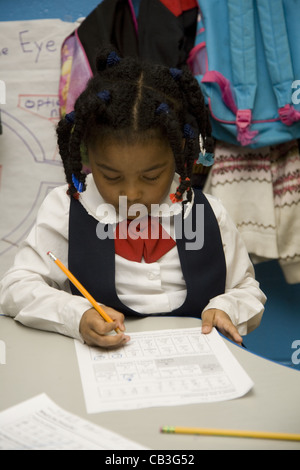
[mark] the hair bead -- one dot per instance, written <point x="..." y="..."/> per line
<point x="177" y="197"/>
<point x="176" y="73"/>
<point x="112" y="59"/>
<point x="205" y="158"/>
<point x="70" y="117"/>
<point x="163" y="108"/>
<point x="78" y="185"/>
<point x="188" y="132"/>
<point x="104" y="96"/>
<point x="187" y="180"/>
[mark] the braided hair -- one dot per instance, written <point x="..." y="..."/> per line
<point x="129" y="100"/>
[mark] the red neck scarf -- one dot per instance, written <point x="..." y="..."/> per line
<point x="142" y="238"/>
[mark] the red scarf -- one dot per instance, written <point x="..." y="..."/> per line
<point x="142" y="238"/>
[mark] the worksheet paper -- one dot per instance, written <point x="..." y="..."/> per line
<point x="39" y="424"/>
<point x="160" y="368"/>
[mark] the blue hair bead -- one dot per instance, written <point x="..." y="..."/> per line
<point x="188" y="132"/>
<point x="176" y="73"/>
<point x="78" y="185"/>
<point x="104" y="96"/>
<point x="206" y="159"/>
<point x="112" y="59"/>
<point x="163" y="108"/>
<point x="70" y="117"/>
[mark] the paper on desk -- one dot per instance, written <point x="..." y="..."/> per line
<point x="39" y="424"/>
<point x="161" y="368"/>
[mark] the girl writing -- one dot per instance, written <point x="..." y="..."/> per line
<point x="140" y="126"/>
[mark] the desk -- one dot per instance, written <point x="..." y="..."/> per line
<point x="38" y="361"/>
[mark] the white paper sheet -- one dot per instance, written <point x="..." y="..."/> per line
<point x="160" y="368"/>
<point x="39" y="424"/>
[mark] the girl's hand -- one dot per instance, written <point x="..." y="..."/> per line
<point x="95" y="331"/>
<point x="214" y="317"/>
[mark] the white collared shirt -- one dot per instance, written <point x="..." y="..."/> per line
<point x="36" y="292"/>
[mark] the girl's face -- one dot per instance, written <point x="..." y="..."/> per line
<point x="143" y="172"/>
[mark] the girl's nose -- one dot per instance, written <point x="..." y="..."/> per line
<point x="133" y="194"/>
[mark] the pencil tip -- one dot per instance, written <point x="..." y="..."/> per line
<point x="51" y="255"/>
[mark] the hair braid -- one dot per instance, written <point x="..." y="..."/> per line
<point x="197" y="107"/>
<point x="64" y="129"/>
<point x="75" y="152"/>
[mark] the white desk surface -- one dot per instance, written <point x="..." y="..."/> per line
<point x="38" y="361"/>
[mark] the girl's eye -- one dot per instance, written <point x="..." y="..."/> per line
<point x="151" y="178"/>
<point x="110" y="178"/>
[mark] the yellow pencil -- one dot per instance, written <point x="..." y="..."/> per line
<point x="231" y="433"/>
<point x="82" y="289"/>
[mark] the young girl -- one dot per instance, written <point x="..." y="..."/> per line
<point x="140" y="126"/>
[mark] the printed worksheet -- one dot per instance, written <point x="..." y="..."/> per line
<point x="160" y="368"/>
<point x="39" y="424"/>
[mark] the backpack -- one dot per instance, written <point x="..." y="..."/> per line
<point x="162" y="31"/>
<point x="247" y="61"/>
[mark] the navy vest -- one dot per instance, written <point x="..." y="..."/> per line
<point x="92" y="261"/>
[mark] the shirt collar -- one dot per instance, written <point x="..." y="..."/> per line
<point x="98" y="208"/>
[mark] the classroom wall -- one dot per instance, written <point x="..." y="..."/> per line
<point x="281" y="323"/>
<point x="17" y="10"/>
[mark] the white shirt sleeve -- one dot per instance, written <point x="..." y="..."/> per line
<point x="243" y="299"/>
<point x="35" y="291"/>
